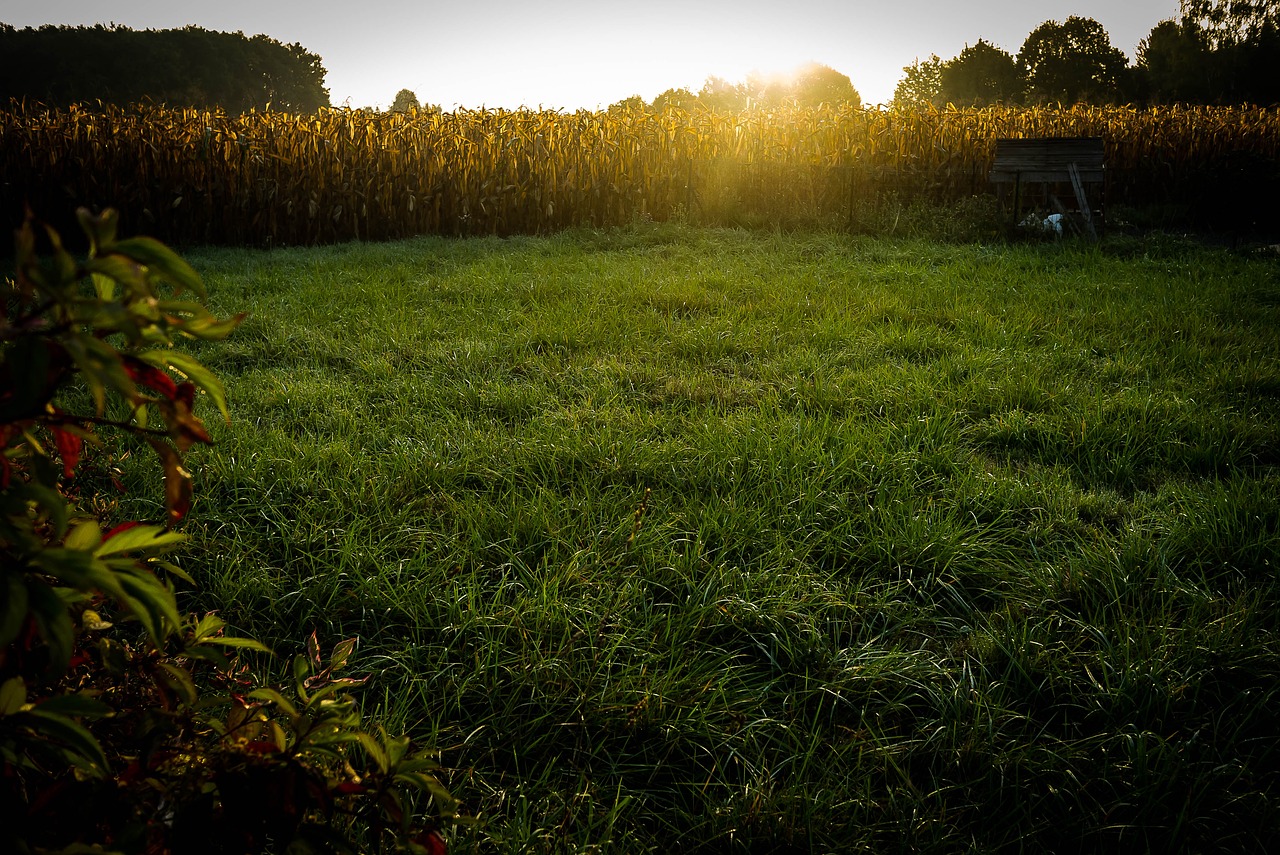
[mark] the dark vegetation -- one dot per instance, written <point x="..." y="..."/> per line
<point x="188" y="67"/>
<point x="126" y="725"/>
<point x="1215" y="52"/>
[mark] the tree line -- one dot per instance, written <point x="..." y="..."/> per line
<point x="808" y="85"/>
<point x="188" y="67"/>
<point x="1215" y="52"/>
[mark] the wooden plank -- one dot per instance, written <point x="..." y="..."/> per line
<point x="1084" y="148"/>
<point x="1049" y="159"/>
<point x="1041" y="176"/>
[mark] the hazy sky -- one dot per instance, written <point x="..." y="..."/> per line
<point x="570" y="54"/>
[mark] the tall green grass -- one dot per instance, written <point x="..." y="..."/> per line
<point x="696" y="540"/>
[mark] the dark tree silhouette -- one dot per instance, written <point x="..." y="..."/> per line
<point x="1072" y="61"/>
<point x="1218" y="53"/>
<point x="188" y="67"/>
<point x="1231" y="21"/>
<point x="1175" y="64"/>
<point x="982" y="74"/>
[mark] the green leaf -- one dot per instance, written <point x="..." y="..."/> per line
<point x="115" y="656"/>
<point x="13" y="613"/>
<point x="174" y="570"/>
<point x="100" y="366"/>
<point x="396" y="747"/>
<point x="83" y="750"/>
<point x="178" y="311"/>
<point x="374" y="750"/>
<point x="301" y="670"/>
<point x="208" y="625"/>
<point x="194" y="371"/>
<point x="52" y="502"/>
<point x="87" y="849"/>
<point x="430" y="784"/>
<point x="104" y="286"/>
<point x="238" y="642"/>
<point x="101" y="230"/>
<point x="179" y="679"/>
<point x="62" y="265"/>
<point x="273" y="696"/>
<point x="211" y="655"/>
<point x="75" y="705"/>
<point x="80" y="570"/>
<point x="162" y="260"/>
<point x="152" y="602"/>
<point x="111" y="269"/>
<point x="138" y="538"/>
<point x="13" y="695"/>
<point x="54" y="624"/>
<point x="341" y="653"/>
<point x="335" y="687"/>
<point x="210" y="328"/>
<point x="85" y="537"/>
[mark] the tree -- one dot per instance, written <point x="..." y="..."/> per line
<point x="630" y="104"/>
<point x="1175" y="64"/>
<point x="721" y="95"/>
<point x="681" y="99"/>
<point x="405" y="101"/>
<point x="809" y="85"/>
<point x="1231" y="21"/>
<point x="921" y="85"/>
<point x="1072" y="61"/>
<point x="982" y="74"/>
<point x="187" y="67"/>
<point x="815" y="84"/>
<point x="1218" y="53"/>
<point x="1244" y="38"/>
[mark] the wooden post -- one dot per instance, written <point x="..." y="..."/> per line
<point x="1078" y="186"/>
<point x="1017" y="197"/>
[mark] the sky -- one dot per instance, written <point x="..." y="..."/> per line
<point x="585" y="54"/>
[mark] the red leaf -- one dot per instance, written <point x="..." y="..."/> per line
<point x="184" y="426"/>
<point x="432" y="842"/>
<point x="69" y="446"/>
<point x="131" y="772"/>
<point x="151" y="377"/>
<point x="346" y="788"/>
<point x="177" y="481"/>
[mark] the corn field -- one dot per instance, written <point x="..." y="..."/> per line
<point x="192" y="177"/>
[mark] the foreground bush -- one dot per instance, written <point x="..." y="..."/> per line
<point x="125" y="723"/>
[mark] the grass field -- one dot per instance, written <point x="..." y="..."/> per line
<point x="695" y="540"/>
